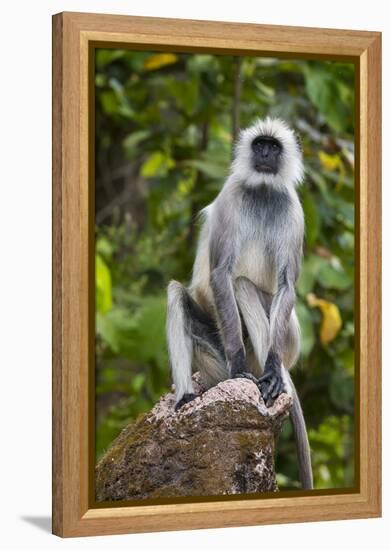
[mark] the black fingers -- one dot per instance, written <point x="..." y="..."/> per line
<point x="186" y="398"/>
<point x="271" y="385"/>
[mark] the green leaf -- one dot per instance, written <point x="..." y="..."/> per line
<point x="331" y="96"/>
<point x="312" y="220"/>
<point x="100" y="80"/>
<point x="185" y="93"/>
<point x="203" y="63"/>
<point x="267" y="91"/>
<point x="109" y="102"/>
<point x="104" y="57"/>
<point x="151" y="336"/>
<point x="157" y="165"/>
<point x="211" y="169"/>
<point x="138" y="335"/>
<point x="346" y="358"/>
<point x="342" y="389"/>
<point x="117" y="329"/>
<point x="103" y="285"/>
<point x="138" y="382"/>
<point x="309" y="272"/>
<point x="346" y="213"/>
<point x="125" y="111"/>
<point x="104" y="248"/>
<point x="133" y="139"/>
<point x="329" y="277"/>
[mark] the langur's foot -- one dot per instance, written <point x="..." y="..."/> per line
<point x="186" y="398"/>
<point x="248" y="376"/>
<point x="271" y="385"/>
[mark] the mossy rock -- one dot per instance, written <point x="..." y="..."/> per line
<point x="221" y="443"/>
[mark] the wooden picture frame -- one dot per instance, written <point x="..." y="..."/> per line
<point x="75" y="35"/>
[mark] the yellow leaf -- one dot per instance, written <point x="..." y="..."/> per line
<point x="103" y="285"/>
<point x="330" y="162"/>
<point x="331" y="322"/>
<point x="159" y="60"/>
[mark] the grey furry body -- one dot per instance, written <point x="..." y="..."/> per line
<point x="237" y="317"/>
<point x="251" y="237"/>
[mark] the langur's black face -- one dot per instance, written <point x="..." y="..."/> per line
<point x="266" y="154"/>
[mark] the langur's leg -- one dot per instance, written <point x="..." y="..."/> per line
<point x="208" y="350"/>
<point x="193" y="341"/>
<point x="291" y="351"/>
<point x="254" y="306"/>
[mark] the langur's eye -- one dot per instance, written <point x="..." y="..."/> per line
<point x="275" y="147"/>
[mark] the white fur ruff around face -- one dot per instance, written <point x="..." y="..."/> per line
<point x="291" y="170"/>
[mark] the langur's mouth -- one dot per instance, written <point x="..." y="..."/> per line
<point x="266" y="168"/>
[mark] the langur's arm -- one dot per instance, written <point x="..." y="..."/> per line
<point x="222" y="256"/>
<point x="272" y="382"/>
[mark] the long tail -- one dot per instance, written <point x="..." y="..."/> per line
<point x="301" y="437"/>
<point x="179" y="342"/>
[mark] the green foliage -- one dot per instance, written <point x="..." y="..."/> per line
<point x="324" y="83"/>
<point x="164" y="137"/>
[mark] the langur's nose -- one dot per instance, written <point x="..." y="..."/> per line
<point x="265" y="151"/>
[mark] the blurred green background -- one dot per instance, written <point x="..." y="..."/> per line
<point x="165" y="124"/>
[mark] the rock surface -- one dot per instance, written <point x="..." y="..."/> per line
<point x="221" y="443"/>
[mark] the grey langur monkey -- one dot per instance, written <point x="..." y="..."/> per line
<point x="237" y="318"/>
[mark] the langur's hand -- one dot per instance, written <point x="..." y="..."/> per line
<point x="271" y="384"/>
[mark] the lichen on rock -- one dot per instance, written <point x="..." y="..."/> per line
<point x="221" y="443"/>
